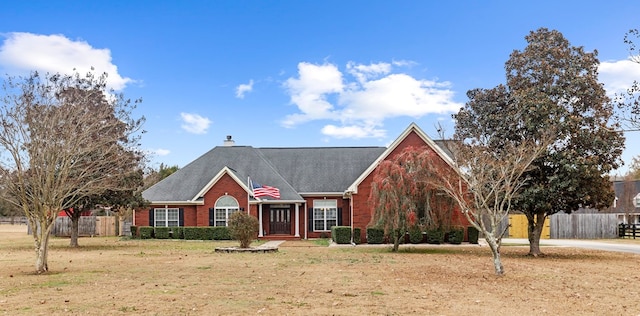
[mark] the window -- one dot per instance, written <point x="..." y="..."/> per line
<point x="225" y="206"/>
<point x="325" y="214"/>
<point x="166" y="217"/>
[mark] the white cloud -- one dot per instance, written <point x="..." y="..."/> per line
<point x="194" y="123"/>
<point x="22" y="53"/>
<point x="310" y="90"/>
<point x="365" y="72"/>
<point x="353" y="131"/>
<point x="618" y="76"/>
<point x="242" y="89"/>
<point x="361" y="105"/>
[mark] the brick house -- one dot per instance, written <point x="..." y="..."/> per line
<point x="319" y="187"/>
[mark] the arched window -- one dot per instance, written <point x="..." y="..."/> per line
<point x="225" y="206"/>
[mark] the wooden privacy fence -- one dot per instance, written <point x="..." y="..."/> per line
<point x="583" y="226"/>
<point x="87" y="226"/>
<point x="519" y="227"/>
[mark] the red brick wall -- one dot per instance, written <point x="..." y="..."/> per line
<point x="342" y="203"/>
<point x="142" y="216"/>
<point x="198" y="215"/>
<point x="362" y="212"/>
<point x="225" y="186"/>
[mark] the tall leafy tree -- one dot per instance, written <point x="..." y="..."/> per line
<point x="154" y="176"/>
<point x="122" y="200"/>
<point x="551" y="86"/>
<point x="62" y="146"/>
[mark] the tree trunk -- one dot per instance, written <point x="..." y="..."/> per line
<point x="534" y="228"/>
<point x="494" y="244"/>
<point x="396" y="242"/>
<point x="41" y="241"/>
<point x="73" y="242"/>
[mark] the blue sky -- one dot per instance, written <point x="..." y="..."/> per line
<point x="300" y="73"/>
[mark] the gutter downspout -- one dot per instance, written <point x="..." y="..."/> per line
<point x="351" y="217"/>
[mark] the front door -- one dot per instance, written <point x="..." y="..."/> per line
<point x="280" y="221"/>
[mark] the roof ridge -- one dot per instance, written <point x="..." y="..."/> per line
<point x="325" y="147"/>
<point x="273" y="168"/>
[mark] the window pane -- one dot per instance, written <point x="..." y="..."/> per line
<point x="221" y="223"/>
<point x="172" y="214"/>
<point x="226" y="201"/>
<point x="331" y="223"/>
<point x="332" y="214"/>
<point x="318" y="214"/>
<point x="318" y="224"/>
<point x="160" y="214"/>
<point x="325" y="204"/>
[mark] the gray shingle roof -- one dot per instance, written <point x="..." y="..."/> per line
<point x="292" y="170"/>
<point x="324" y="169"/>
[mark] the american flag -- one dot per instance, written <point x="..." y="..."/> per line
<point x="264" y="190"/>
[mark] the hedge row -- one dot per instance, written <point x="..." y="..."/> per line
<point x="189" y="233"/>
<point x="376" y="235"/>
<point x="339" y="234"/>
<point x="342" y="234"/>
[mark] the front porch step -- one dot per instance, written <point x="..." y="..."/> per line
<point x="279" y="237"/>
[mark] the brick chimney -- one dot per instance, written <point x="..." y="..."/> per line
<point x="229" y="142"/>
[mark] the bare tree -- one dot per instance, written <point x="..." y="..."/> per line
<point x="484" y="180"/>
<point x="628" y="103"/>
<point x="60" y="145"/>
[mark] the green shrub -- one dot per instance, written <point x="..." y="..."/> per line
<point x="341" y="234"/>
<point x="191" y="233"/>
<point x="177" y="232"/>
<point x="415" y="235"/>
<point x="375" y="235"/>
<point x="134" y="232"/>
<point x="243" y="228"/>
<point x="198" y="233"/>
<point x="162" y="232"/>
<point x="455" y="235"/>
<point x="221" y="233"/>
<point x="146" y="232"/>
<point x="435" y="236"/>
<point x="472" y="234"/>
<point x="356" y="235"/>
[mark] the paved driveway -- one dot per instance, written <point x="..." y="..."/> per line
<point x="580" y="243"/>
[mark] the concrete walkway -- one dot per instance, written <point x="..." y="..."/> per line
<point x="271" y="244"/>
<point x="578" y="243"/>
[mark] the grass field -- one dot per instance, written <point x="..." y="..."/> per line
<point x="114" y="276"/>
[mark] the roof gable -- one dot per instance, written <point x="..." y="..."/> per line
<point x="191" y="182"/>
<point x="412" y="129"/>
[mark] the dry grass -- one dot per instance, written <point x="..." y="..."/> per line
<point x="113" y="276"/>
